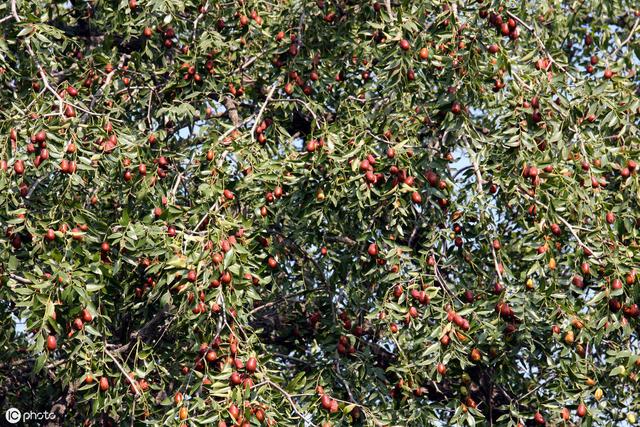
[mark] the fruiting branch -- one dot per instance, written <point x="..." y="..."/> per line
<point x="47" y="85"/>
<point x="107" y="81"/>
<point x="126" y="375"/>
<point x="570" y="227"/>
<point x="264" y="105"/>
<point x="533" y="31"/>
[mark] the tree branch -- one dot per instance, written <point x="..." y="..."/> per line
<point x="631" y="33"/>
<point x="264" y="105"/>
<point x="341" y="239"/>
<point x="14" y="11"/>
<point x="288" y="397"/>
<point x="479" y="182"/>
<point x="533" y="31"/>
<point x="561" y="219"/>
<point x="232" y="111"/>
<point x="47" y="84"/>
<point x="146" y="332"/>
<point x="126" y="375"/>
<point x="20" y="279"/>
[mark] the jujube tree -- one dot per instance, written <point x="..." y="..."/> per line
<point x="320" y="212"/>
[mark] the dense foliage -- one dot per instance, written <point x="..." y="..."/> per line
<point x="263" y="211"/>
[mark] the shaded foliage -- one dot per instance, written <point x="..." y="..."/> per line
<point x="320" y="213"/>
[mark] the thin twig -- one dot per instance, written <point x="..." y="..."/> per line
<point x="43" y="75"/>
<point x="20" y="279"/>
<point x="107" y="81"/>
<point x="631" y="33"/>
<point x="149" y="121"/>
<point x="343" y="381"/>
<point x="206" y="215"/>
<point x="235" y="127"/>
<point x="341" y="239"/>
<point x="172" y="193"/>
<point x="443" y="284"/>
<point x="198" y="18"/>
<point x="126" y="375"/>
<point x="14" y="11"/>
<point x="562" y="220"/>
<point x="519" y="80"/>
<point x="479" y="182"/>
<point x="264" y="105"/>
<point x="246" y="64"/>
<point x="48" y="86"/>
<point x="287" y="396"/>
<point x="300" y="36"/>
<point x="387" y="4"/>
<point x="35" y="185"/>
<point x="520" y="21"/>
<point x="532" y="30"/>
<point x="283" y="299"/>
<point x="461" y="170"/>
<point x="536" y="389"/>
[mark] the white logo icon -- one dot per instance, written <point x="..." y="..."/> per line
<point x="13" y="415"/>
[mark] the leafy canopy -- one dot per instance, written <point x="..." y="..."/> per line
<point x="320" y="213"/>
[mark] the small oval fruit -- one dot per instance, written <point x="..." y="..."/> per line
<point x="50" y="235"/>
<point x="18" y="167"/>
<point x="372" y="250"/>
<point x="183" y="413"/>
<point x="86" y="315"/>
<point x="235" y="378"/>
<point x="272" y="263"/>
<point x="582" y="410"/>
<point x="610" y="217"/>
<point x="52" y="342"/>
<point x="78" y="324"/>
<point x="598" y="394"/>
<point x="191" y="276"/>
<point x="325" y="401"/>
<point x="252" y="364"/>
